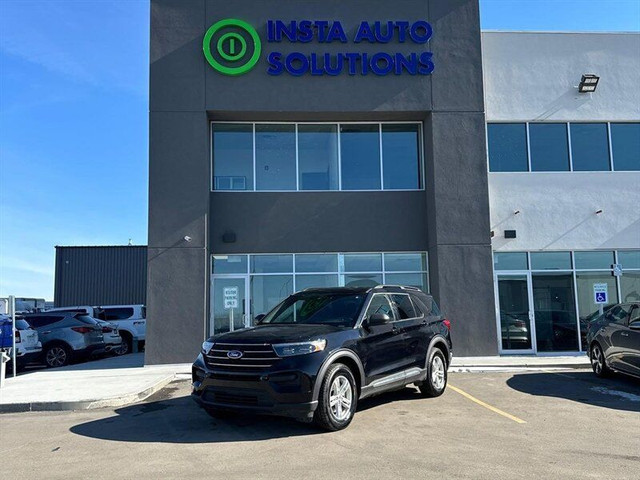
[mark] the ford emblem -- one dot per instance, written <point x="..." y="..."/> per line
<point x="233" y="354"/>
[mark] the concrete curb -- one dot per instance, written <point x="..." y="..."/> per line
<point x="118" y="401"/>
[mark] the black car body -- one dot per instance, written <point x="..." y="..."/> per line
<point x="380" y="338"/>
<point x="614" y="340"/>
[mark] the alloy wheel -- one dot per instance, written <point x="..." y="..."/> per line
<point x="56" y="357"/>
<point x="596" y="359"/>
<point x="340" y="398"/>
<point x="437" y="372"/>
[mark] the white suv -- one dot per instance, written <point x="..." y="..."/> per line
<point x="129" y="319"/>
<point x="28" y="346"/>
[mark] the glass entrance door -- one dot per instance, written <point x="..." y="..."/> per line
<point x="515" y="316"/>
<point x="229" y="306"/>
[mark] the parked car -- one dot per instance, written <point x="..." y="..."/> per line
<point x="321" y="350"/>
<point x="28" y="346"/>
<point x="129" y="319"/>
<point x="614" y="340"/>
<point x="112" y="339"/>
<point x="66" y="336"/>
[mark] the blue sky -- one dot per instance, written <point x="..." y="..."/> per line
<point x="74" y="119"/>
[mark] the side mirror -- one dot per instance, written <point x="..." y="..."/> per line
<point x="377" y="319"/>
<point x="635" y="325"/>
<point x="259" y="317"/>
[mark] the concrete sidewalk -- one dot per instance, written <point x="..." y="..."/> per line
<point x="111" y="382"/>
<point x="118" y="381"/>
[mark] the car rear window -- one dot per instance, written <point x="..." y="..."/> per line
<point x="86" y="319"/>
<point x="22" y="325"/>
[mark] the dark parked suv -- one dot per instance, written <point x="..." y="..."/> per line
<point x="614" y="340"/>
<point x="321" y="350"/>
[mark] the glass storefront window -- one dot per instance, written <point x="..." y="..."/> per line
<point x="586" y="305"/>
<point x="363" y="262"/>
<point x="625" y="143"/>
<point x="630" y="287"/>
<point x="510" y="261"/>
<point x="507" y="147"/>
<point x="593" y="260"/>
<point x="400" y="156"/>
<point x="317" y="262"/>
<point x="515" y="324"/>
<point x="360" y="157"/>
<point x="271" y="263"/>
<point x="316" y="281"/>
<point x="555" y="313"/>
<point x="233" y="156"/>
<point x="318" y="157"/>
<point x="629" y="258"/>
<point x="549" y="147"/>
<point x="590" y="147"/>
<point x="229" y="264"/>
<point x="405" y="262"/>
<point x="269" y="290"/>
<point x="362" y="280"/>
<point x="275" y="157"/>
<point x="550" y="261"/>
<point x="419" y="280"/>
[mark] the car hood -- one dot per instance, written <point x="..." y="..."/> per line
<point x="276" y="334"/>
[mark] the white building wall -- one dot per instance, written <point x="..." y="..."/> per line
<point x="533" y="77"/>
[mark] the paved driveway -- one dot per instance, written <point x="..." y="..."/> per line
<point x="499" y="426"/>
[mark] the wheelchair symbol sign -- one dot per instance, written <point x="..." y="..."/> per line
<point x="600" y="293"/>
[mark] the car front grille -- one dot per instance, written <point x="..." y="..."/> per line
<point x="256" y="357"/>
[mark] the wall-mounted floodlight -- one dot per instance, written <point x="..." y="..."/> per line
<point x="588" y="83"/>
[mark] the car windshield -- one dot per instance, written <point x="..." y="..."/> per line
<point x="317" y="308"/>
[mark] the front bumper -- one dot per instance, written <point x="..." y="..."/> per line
<point x="279" y="391"/>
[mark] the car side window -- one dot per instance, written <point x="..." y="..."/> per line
<point x="380" y="304"/>
<point x="38" y="322"/>
<point x="634" y="318"/>
<point x="618" y="314"/>
<point x="118" y="313"/>
<point x="404" y="307"/>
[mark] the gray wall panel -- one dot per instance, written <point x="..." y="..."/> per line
<point x="319" y="222"/>
<point x="110" y="275"/>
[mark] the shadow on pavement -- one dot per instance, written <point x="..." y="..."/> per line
<point x="618" y="392"/>
<point x="180" y="420"/>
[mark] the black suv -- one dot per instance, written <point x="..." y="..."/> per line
<point x="321" y="350"/>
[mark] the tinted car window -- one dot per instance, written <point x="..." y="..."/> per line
<point x="404" y="307"/>
<point x="121" y="313"/>
<point x="618" y="314"/>
<point x="86" y="319"/>
<point x="315" y="308"/>
<point x="634" y="319"/>
<point x="380" y="304"/>
<point x="38" y="322"/>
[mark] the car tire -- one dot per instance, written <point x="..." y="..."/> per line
<point x="436" y="381"/>
<point x="598" y="363"/>
<point x="125" y="347"/>
<point x="337" y="400"/>
<point x="57" y="355"/>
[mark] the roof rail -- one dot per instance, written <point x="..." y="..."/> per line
<point x="404" y="287"/>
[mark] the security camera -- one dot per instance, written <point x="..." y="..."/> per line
<point x="187" y="238"/>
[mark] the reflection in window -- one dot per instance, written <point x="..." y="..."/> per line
<point x="590" y="146"/>
<point x="232" y="156"/>
<point x="275" y="157"/>
<point x="269" y="290"/>
<point x="550" y="261"/>
<point x="401" y="160"/>
<point x="363" y="262"/>
<point x="549" y="147"/>
<point x="362" y="280"/>
<point x="507" y="147"/>
<point x="405" y="262"/>
<point x="418" y="280"/>
<point x="316" y="281"/>
<point x="360" y="156"/>
<point x="555" y="313"/>
<point x="630" y="287"/>
<point x="587" y="308"/>
<point x="625" y="143"/>
<point x="510" y="261"/>
<point x="318" y="157"/>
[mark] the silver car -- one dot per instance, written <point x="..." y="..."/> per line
<point x="66" y="336"/>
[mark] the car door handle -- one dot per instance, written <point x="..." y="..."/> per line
<point x="48" y="331"/>
<point x="395" y="330"/>
<point x="624" y="334"/>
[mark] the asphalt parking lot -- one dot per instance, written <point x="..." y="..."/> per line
<point x="564" y="425"/>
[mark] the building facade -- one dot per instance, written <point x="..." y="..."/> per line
<point x="328" y="143"/>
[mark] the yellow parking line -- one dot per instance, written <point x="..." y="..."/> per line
<point x="486" y="405"/>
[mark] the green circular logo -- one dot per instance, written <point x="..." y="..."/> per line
<point x="232" y="47"/>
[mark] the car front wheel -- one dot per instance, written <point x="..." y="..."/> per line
<point x="57" y="356"/>
<point x="436" y="380"/>
<point x="337" y="400"/>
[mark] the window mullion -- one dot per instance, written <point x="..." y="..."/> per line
<point x="381" y="159"/>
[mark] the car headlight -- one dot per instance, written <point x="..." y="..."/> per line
<point x="206" y="346"/>
<point x="301" y="348"/>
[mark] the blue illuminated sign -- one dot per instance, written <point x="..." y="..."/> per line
<point x="234" y="55"/>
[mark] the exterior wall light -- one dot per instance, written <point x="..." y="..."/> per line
<point x="598" y="212"/>
<point x="588" y="83"/>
